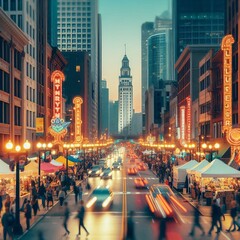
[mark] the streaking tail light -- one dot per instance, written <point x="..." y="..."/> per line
<point x="150" y="204"/>
<point x="165" y="205"/>
<point x="178" y="203"/>
<point x="106" y="202"/>
<point x="91" y="202"/>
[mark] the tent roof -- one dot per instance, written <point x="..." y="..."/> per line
<point x="56" y="163"/>
<point x="188" y="165"/>
<point x="31" y="168"/>
<point x="197" y="167"/>
<point x="62" y="159"/>
<point x="4" y="168"/>
<point x="218" y="168"/>
<point x="49" y="168"/>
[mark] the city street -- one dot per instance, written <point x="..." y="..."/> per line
<point x="109" y="224"/>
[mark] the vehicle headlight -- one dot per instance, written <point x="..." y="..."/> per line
<point x="101" y="174"/>
<point x="90" y="172"/>
<point x="106" y="202"/>
<point x="98" y="171"/>
<point x="91" y="202"/>
<point x="110" y="174"/>
<point x="118" y="166"/>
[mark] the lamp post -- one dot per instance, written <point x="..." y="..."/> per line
<point x="210" y="148"/>
<point x="68" y="147"/>
<point x="17" y="151"/>
<point x="190" y="146"/>
<point x="44" y="147"/>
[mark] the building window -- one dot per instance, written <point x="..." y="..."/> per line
<point x="13" y="5"/>
<point x="77" y="68"/>
<point x="5" y="5"/>
<point x="4" y="113"/>
<point x="17" y="116"/>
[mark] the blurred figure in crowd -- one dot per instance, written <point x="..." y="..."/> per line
<point x="66" y="218"/>
<point x="196" y="222"/>
<point x="233" y="213"/>
<point x="216" y="217"/>
<point x="130" y="227"/>
<point x="162" y="229"/>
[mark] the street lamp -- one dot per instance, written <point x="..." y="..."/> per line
<point x="44" y="147"/>
<point x="190" y="146"/>
<point x="17" y="151"/>
<point x="209" y="148"/>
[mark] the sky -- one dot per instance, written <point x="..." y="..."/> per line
<point x="121" y="24"/>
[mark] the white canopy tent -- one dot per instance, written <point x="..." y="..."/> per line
<point x="180" y="173"/>
<point x="4" y="168"/>
<point x="218" y="169"/>
<point x="197" y="167"/>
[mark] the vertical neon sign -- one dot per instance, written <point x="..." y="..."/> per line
<point x="182" y="122"/>
<point x="78" y="119"/>
<point x="188" y="119"/>
<point x="57" y="78"/>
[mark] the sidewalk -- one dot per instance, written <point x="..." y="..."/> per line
<point x="35" y="219"/>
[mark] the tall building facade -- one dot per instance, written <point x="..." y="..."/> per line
<point x="198" y="22"/>
<point x="12" y="82"/>
<point x="78" y="30"/>
<point x="125" y="99"/>
<point x="113" y="118"/>
<point x="24" y="14"/>
<point x="104" y="107"/>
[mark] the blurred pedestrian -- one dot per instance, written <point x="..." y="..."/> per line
<point x="28" y="214"/>
<point x="1" y="204"/>
<point x="76" y="192"/>
<point x="42" y="194"/>
<point x="216" y="217"/>
<point x="162" y="229"/>
<point x="170" y="180"/>
<point x="7" y="203"/>
<point x="61" y="197"/>
<point x="80" y="216"/>
<point x="66" y="218"/>
<point x="35" y="205"/>
<point x="196" y="222"/>
<point x="130" y="227"/>
<point x="233" y="213"/>
<point x="80" y="191"/>
<point x="8" y="221"/>
<point x="49" y="196"/>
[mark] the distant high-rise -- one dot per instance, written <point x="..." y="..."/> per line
<point x="125" y="99"/>
<point x="146" y="31"/>
<point x="198" y="22"/>
<point x="104" y="107"/>
<point x="78" y="30"/>
<point x="113" y="118"/>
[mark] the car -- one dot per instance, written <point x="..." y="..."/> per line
<point x="116" y="166"/>
<point x="100" y="198"/>
<point x="119" y="160"/>
<point x="132" y="171"/>
<point x="106" y="173"/>
<point x="95" y="171"/>
<point x="102" y="162"/>
<point x="162" y="201"/>
<point x="141" y="167"/>
<point x="141" y="182"/>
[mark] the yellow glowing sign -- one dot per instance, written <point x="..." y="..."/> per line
<point x="57" y="78"/>
<point x="188" y="119"/>
<point x="182" y="123"/>
<point x="78" y="119"/>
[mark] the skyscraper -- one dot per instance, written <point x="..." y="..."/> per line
<point x="104" y="113"/>
<point x="197" y="22"/>
<point x="78" y="29"/>
<point x="125" y="99"/>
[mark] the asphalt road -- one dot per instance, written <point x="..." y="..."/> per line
<point x="110" y="224"/>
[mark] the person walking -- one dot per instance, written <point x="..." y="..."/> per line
<point x="80" y="191"/>
<point x="216" y="217"/>
<point x="66" y="218"/>
<point x="1" y="204"/>
<point x="35" y="205"/>
<point x="76" y="192"/>
<point x="130" y="227"/>
<point x="42" y="194"/>
<point x="28" y="214"/>
<point x="233" y="213"/>
<point x="80" y="216"/>
<point x="61" y="197"/>
<point x="196" y="222"/>
<point x="49" y="196"/>
<point x="7" y="223"/>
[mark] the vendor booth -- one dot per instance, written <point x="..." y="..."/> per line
<point x="180" y="173"/>
<point x="218" y="180"/>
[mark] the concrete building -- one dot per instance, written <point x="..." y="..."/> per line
<point x="187" y="67"/>
<point x="24" y="14"/>
<point x="104" y="107"/>
<point x="78" y="29"/>
<point x="137" y="124"/>
<point x="13" y="82"/>
<point x="125" y="99"/>
<point x="198" y="22"/>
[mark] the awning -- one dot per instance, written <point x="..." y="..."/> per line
<point x="224" y="151"/>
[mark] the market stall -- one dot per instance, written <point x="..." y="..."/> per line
<point x="218" y="180"/>
<point x="180" y="173"/>
<point x="62" y="159"/>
